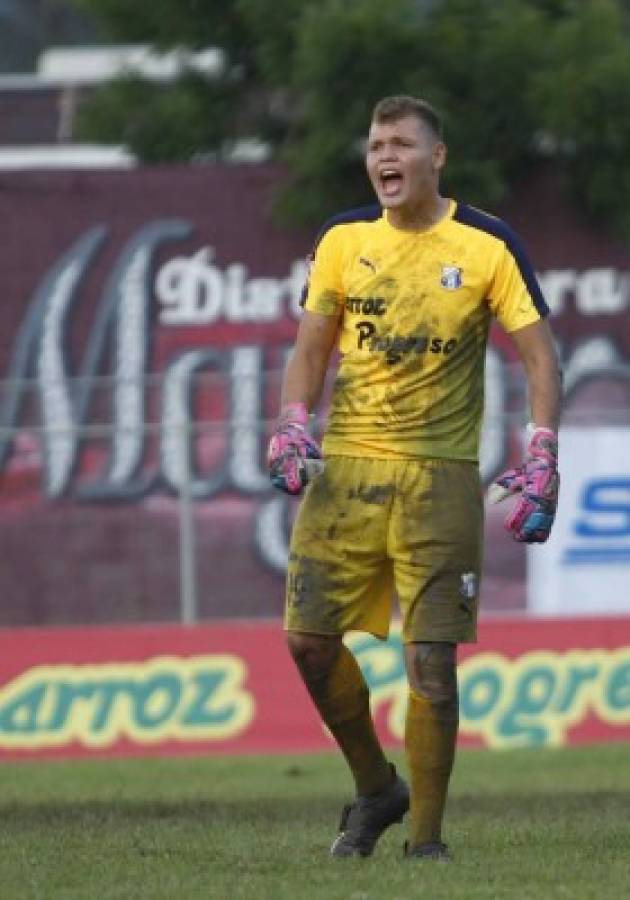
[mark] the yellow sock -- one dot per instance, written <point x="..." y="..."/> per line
<point x="430" y="737"/>
<point x="343" y="703"/>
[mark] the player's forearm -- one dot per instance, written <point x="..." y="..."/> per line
<point x="304" y="376"/>
<point x="545" y="390"/>
<point x="303" y="379"/>
<point x="536" y="347"/>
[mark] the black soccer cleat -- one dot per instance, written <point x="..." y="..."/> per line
<point x="432" y="850"/>
<point x="365" y="820"/>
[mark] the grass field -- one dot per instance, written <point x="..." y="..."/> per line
<point x="521" y="824"/>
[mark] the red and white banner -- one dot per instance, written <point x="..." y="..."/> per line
<point x="232" y="688"/>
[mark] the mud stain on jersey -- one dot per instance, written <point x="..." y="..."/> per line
<point x="349" y="397"/>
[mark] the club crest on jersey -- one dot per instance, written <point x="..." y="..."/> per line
<point x="451" y="277"/>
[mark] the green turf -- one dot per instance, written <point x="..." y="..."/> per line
<point x="533" y="824"/>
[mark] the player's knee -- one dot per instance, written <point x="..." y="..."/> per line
<point x="314" y="654"/>
<point x="432" y="669"/>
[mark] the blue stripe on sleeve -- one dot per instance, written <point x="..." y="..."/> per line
<point x="361" y="214"/>
<point x="475" y="218"/>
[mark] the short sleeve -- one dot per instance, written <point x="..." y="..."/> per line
<point x="515" y="297"/>
<point x="323" y="292"/>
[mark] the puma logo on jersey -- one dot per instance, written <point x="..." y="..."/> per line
<point x="368" y="263"/>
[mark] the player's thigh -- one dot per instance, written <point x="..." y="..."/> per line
<point x="338" y="576"/>
<point x="436" y="539"/>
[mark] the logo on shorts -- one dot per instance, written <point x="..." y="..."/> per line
<point x="451" y="277"/>
<point x="468" y="587"/>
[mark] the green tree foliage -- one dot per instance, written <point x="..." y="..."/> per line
<point x="215" y="110"/>
<point x="471" y="58"/>
<point x="518" y="82"/>
<point x="166" y="125"/>
<point x="586" y="108"/>
<point x="168" y="23"/>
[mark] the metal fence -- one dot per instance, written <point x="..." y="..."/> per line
<point x="148" y="499"/>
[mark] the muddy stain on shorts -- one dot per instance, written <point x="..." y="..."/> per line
<point x="309" y="585"/>
<point x="377" y="493"/>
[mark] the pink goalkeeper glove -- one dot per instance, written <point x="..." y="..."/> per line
<point x="293" y="457"/>
<point x="538" y="481"/>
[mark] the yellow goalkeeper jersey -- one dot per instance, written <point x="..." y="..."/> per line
<point x="416" y="309"/>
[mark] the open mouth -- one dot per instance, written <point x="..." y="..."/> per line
<point x="391" y="182"/>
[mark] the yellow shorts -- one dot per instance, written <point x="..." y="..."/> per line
<point x="369" y="528"/>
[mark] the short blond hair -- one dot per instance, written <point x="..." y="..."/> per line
<point x="390" y="109"/>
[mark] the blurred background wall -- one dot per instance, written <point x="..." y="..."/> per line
<point x="164" y="168"/>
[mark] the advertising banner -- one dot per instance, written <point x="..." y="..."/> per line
<point x="585" y="566"/>
<point x="232" y="688"/>
<point x="146" y="319"/>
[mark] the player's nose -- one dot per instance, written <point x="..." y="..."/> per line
<point x="386" y="155"/>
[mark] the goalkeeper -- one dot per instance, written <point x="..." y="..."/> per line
<point x="406" y="291"/>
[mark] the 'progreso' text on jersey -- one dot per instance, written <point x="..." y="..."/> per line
<point x="416" y="309"/>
